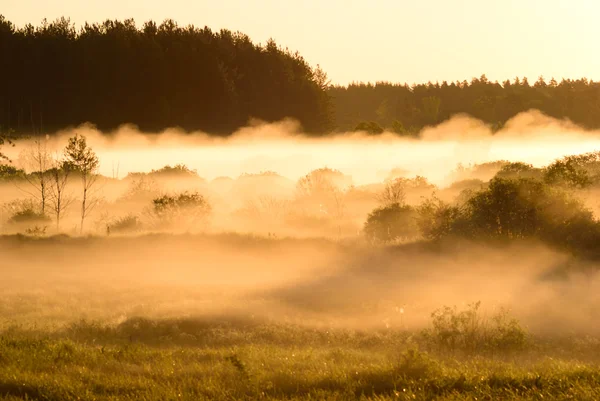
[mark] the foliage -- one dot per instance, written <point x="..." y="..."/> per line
<point x="141" y="187"/>
<point x="416" y="365"/>
<point x="80" y="158"/>
<point x="468" y="331"/>
<point x="578" y="171"/>
<point x="28" y="215"/>
<point x="126" y="224"/>
<point x="6" y="138"/>
<point x="437" y="219"/>
<point x="370" y="127"/>
<point x="157" y="76"/>
<point x="509" y="209"/>
<point x="527" y="208"/>
<point x="25" y="215"/>
<point x="184" y="209"/>
<point x="519" y="170"/>
<point x="393" y="192"/>
<point x="321" y="182"/>
<point x="495" y="103"/>
<point x="392" y="222"/>
<point x="178" y="170"/>
<point x="8" y="173"/>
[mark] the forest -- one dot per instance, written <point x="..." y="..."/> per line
<point x="163" y="75"/>
<point x="156" y="77"/>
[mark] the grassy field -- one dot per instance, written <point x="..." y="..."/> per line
<point x="187" y="359"/>
<point x="66" y="334"/>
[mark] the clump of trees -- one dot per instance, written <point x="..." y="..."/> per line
<point x="46" y="183"/>
<point x="392" y="222"/>
<point x="505" y="209"/>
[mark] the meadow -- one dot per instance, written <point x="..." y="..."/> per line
<point x="409" y="281"/>
<point x="185" y="317"/>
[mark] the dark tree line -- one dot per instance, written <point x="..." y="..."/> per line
<point x="54" y="76"/>
<point x="407" y="109"/>
<point x="158" y="76"/>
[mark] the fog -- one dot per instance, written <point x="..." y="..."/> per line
<point x="292" y="259"/>
<point x="282" y="147"/>
<point x="316" y="283"/>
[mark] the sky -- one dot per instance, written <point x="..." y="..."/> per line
<point x="412" y="41"/>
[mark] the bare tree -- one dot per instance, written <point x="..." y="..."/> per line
<point x="59" y="199"/>
<point x="81" y="158"/>
<point x="38" y="161"/>
<point x="394" y="192"/>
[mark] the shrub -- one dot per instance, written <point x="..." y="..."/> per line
<point x="510" y="209"/>
<point x="437" y="219"/>
<point x="8" y="173"/>
<point x="577" y="171"/>
<point x="468" y="331"/>
<point x="28" y="216"/>
<point x="141" y="188"/>
<point x="391" y="223"/>
<point x="416" y="365"/>
<point x="126" y="224"/>
<point x="527" y="208"/>
<point x="178" y="170"/>
<point x="25" y="215"/>
<point x="370" y="127"/>
<point x="185" y="209"/>
<point x="519" y="170"/>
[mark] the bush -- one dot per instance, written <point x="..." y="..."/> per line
<point x="28" y="216"/>
<point x="437" y="219"/>
<point x="141" y="188"/>
<point x="178" y="170"/>
<point x="579" y="171"/>
<point x="519" y="170"/>
<point x="416" y="365"/>
<point x="527" y="208"/>
<point x="393" y="222"/>
<point x="370" y="127"/>
<point x="8" y="173"/>
<point x="25" y="215"/>
<point x="185" y="209"/>
<point x="509" y="209"/>
<point x="126" y="224"/>
<point x="469" y="332"/>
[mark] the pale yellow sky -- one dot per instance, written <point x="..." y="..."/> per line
<point x="390" y="40"/>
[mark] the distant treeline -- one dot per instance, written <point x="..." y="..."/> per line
<point x="407" y="109"/>
<point x="159" y="76"/>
